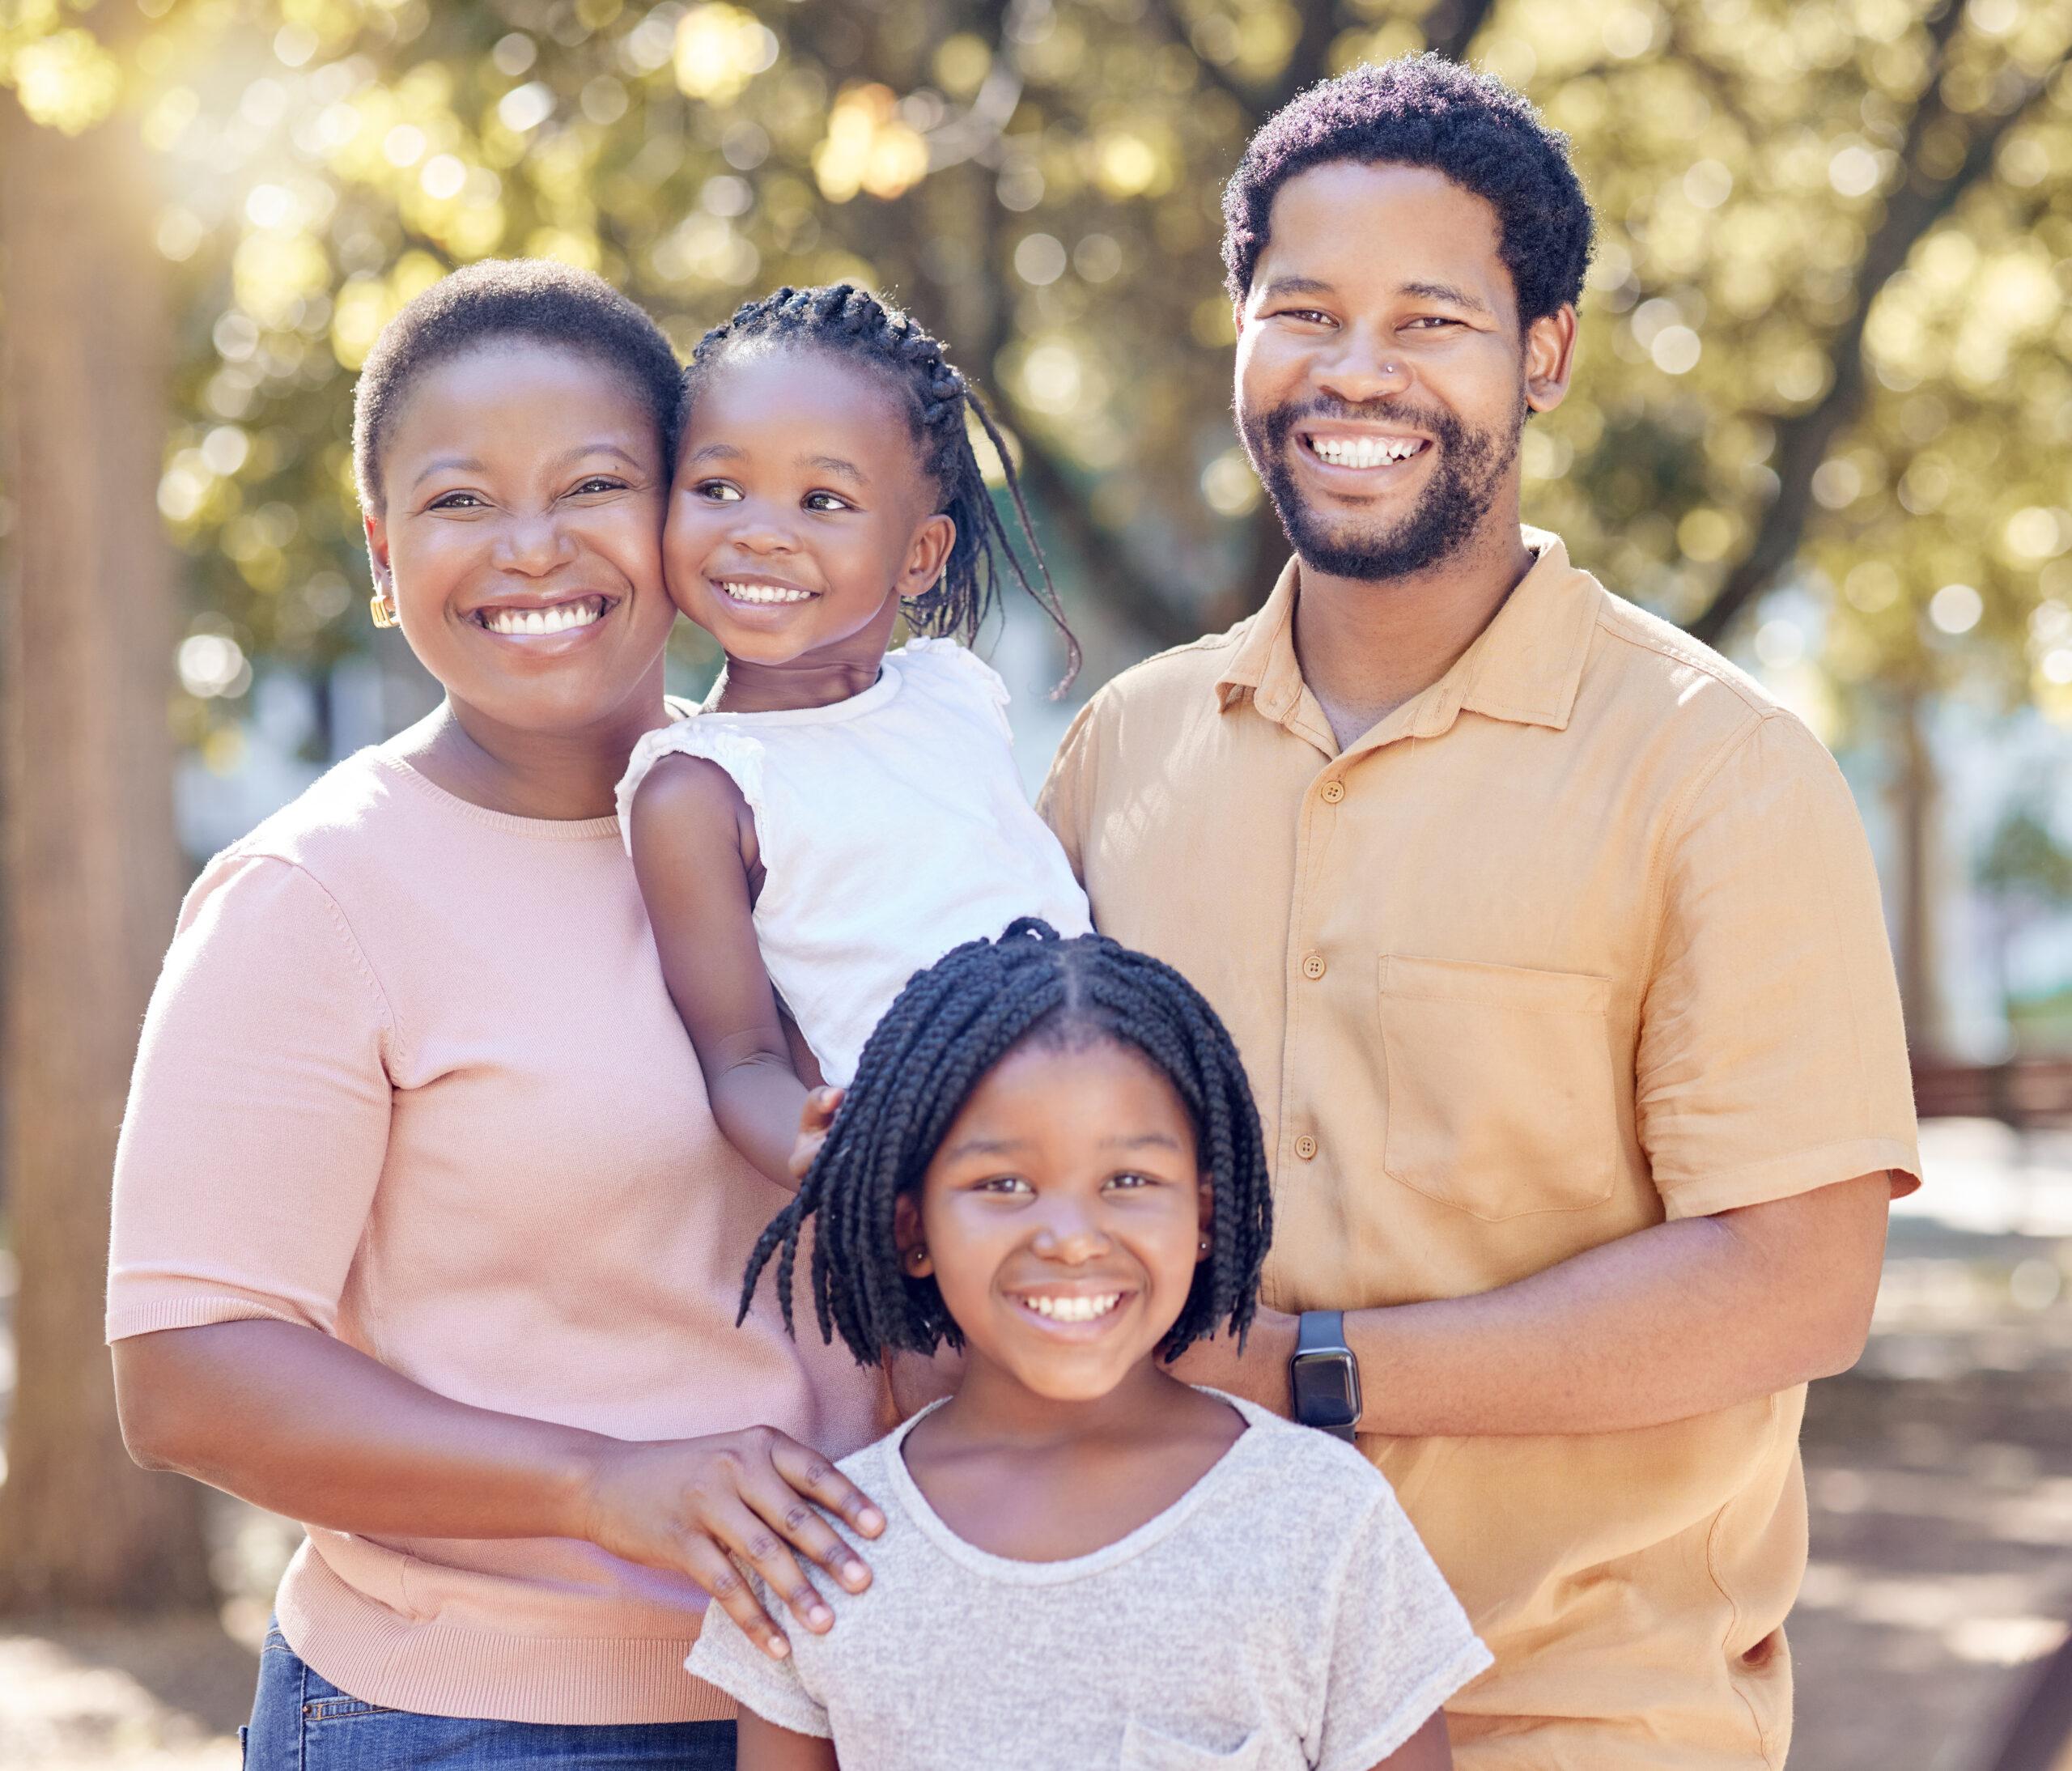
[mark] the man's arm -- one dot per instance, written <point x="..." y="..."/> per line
<point x="1679" y="1319"/>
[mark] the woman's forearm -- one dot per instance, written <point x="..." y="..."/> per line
<point x="295" y="1421"/>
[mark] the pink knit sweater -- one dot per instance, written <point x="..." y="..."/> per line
<point x="410" y="1077"/>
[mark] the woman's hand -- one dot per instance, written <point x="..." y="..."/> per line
<point x="815" y="1119"/>
<point x="698" y="1506"/>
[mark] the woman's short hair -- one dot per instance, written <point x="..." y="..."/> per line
<point x="534" y="298"/>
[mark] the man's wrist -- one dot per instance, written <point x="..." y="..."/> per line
<point x="1324" y="1375"/>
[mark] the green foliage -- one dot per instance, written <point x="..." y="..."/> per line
<point x="1825" y="340"/>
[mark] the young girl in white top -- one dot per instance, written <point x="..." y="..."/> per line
<point x="1048" y="1156"/>
<point x="836" y="817"/>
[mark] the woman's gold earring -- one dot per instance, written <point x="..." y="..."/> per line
<point x="384" y="615"/>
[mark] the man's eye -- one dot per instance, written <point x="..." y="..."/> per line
<point x="1308" y="316"/>
<point x="1430" y="321"/>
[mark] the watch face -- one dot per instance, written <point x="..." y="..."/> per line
<point x="1325" y="1395"/>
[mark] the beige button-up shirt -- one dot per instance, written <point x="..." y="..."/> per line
<point x="1585" y="936"/>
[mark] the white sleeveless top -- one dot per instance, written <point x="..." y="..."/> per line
<point x="893" y="827"/>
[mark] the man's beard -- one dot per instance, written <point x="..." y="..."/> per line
<point x="1471" y="467"/>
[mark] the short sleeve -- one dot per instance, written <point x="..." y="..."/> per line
<point x="699" y="735"/>
<point x="977" y="680"/>
<point x="1064" y="800"/>
<point x="1400" y="1644"/>
<point x="258" y="1121"/>
<point x="1773" y="1056"/>
<point x="724" y="1657"/>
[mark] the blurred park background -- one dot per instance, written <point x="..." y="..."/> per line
<point x="1823" y="419"/>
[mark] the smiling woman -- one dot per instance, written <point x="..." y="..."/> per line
<point x="424" y="1242"/>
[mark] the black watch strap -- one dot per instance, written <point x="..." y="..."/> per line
<point x="1323" y="1375"/>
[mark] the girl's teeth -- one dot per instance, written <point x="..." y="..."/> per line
<point x="1074" y="1308"/>
<point x="763" y="593"/>
<point x="1363" y="452"/>
<point x="560" y="618"/>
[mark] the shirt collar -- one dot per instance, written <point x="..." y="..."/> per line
<point x="1524" y="666"/>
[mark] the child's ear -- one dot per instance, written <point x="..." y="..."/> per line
<point x="931" y="545"/>
<point x="907" y="1236"/>
<point x="1205" y="1214"/>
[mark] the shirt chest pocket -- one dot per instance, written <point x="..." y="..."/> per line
<point x="1501" y="1098"/>
<point x="1145" y="1749"/>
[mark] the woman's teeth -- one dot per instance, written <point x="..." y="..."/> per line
<point x="559" y="619"/>
<point x="1364" y="451"/>
<point x="764" y="593"/>
<point x="1076" y="1309"/>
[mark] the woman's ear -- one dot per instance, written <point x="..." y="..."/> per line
<point x="377" y="555"/>
<point x="907" y="1236"/>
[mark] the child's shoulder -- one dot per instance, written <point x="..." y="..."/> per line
<point x="1305" y="1474"/>
<point x="947" y="665"/>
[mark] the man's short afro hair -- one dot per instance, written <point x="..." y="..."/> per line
<point x="534" y="298"/>
<point x="1424" y="110"/>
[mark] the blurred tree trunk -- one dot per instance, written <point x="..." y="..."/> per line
<point x="1914" y="805"/>
<point x="91" y="867"/>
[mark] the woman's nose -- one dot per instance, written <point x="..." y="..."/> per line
<point x="532" y="543"/>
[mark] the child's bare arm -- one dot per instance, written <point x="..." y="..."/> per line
<point x="763" y="1746"/>
<point x="1426" y="1750"/>
<point x="693" y="851"/>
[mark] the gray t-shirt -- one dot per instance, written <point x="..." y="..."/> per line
<point x="1280" y="1615"/>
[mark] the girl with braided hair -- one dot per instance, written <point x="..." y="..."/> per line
<point x="1048" y="1156"/>
<point x="835" y="816"/>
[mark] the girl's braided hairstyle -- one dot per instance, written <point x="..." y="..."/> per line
<point x="842" y="318"/>
<point x="950" y="1025"/>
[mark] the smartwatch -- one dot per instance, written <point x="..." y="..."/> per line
<point x="1324" y="1375"/>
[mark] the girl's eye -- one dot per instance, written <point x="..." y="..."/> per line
<point x="1130" y="1183"/>
<point x="457" y="501"/>
<point x="719" y="492"/>
<point x="1004" y="1184"/>
<point x="827" y="501"/>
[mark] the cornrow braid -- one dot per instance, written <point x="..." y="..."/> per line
<point x="950" y="1025"/>
<point x="844" y="318"/>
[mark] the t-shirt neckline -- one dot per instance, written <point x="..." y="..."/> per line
<point x="1010" y="1571"/>
<point x="553" y="830"/>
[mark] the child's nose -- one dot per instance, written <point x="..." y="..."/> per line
<point x="764" y="531"/>
<point x="1068" y="1233"/>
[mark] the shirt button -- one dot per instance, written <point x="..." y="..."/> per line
<point x="1333" y="791"/>
<point x="1313" y="966"/>
<point x="1305" y="1146"/>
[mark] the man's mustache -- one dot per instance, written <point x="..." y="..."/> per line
<point x="1283" y="420"/>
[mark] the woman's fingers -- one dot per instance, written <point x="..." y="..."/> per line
<point x="816" y="1478"/>
<point x="710" y="1567"/>
<point x="741" y="1527"/>
<point x="798" y="1522"/>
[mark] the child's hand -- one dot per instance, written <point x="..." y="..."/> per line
<point x="815" y="1118"/>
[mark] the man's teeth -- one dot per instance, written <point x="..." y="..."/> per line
<point x="763" y="593"/>
<point x="1078" y="1309"/>
<point x="1364" y="451"/>
<point x="558" y="619"/>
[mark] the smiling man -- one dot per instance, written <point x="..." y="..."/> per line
<point x="1553" y="946"/>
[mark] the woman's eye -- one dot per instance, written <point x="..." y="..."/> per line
<point x="826" y="501"/>
<point x="601" y="482"/>
<point x="457" y="501"/>
<point x="719" y="492"/>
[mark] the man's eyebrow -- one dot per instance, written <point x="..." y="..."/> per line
<point x="1446" y="292"/>
<point x="1294" y="286"/>
<point x="466" y="464"/>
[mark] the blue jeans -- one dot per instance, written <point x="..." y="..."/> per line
<point x="303" y="1722"/>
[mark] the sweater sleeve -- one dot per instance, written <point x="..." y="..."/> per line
<point x="258" y="1121"/>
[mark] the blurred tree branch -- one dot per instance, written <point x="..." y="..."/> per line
<point x="1919" y="200"/>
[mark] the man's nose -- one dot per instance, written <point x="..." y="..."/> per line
<point x="1366" y="366"/>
